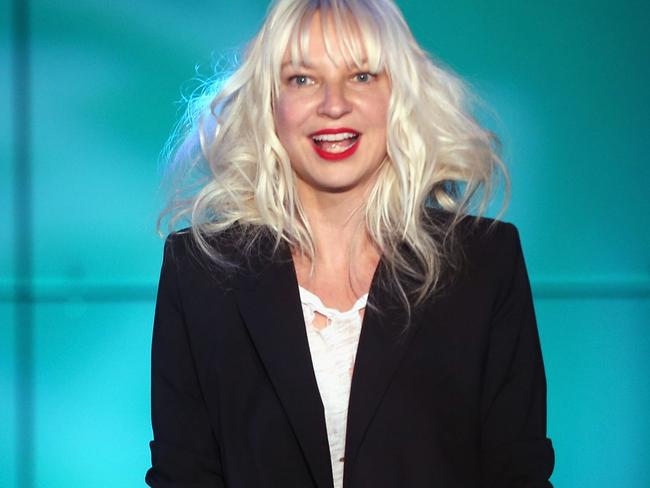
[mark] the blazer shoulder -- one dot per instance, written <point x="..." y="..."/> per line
<point x="485" y="231"/>
<point x="183" y="252"/>
<point x="480" y="246"/>
<point x="178" y="243"/>
<point x="183" y="243"/>
<point x="473" y="231"/>
<point x="227" y="257"/>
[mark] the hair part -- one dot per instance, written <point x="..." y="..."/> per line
<point x="229" y="167"/>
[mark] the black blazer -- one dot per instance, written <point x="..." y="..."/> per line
<point x="457" y="401"/>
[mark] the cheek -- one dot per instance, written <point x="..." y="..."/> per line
<point x="376" y="115"/>
<point x="288" y="116"/>
<point x="280" y="116"/>
<point x="376" y="111"/>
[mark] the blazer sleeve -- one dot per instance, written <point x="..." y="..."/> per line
<point x="184" y="452"/>
<point x="515" y="452"/>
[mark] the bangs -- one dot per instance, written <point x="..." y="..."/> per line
<point x="353" y="24"/>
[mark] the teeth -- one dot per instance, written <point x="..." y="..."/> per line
<point x="337" y="147"/>
<point x="335" y="137"/>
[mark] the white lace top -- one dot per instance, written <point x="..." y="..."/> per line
<point x="333" y="350"/>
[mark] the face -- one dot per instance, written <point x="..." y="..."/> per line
<point x="331" y="119"/>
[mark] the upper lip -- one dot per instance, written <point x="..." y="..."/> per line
<point x="336" y="130"/>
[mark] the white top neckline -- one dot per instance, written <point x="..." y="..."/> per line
<point x="317" y="305"/>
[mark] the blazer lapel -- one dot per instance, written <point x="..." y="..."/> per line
<point x="382" y="344"/>
<point x="269" y="302"/>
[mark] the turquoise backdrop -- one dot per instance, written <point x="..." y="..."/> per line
<point x="79" y="257"/>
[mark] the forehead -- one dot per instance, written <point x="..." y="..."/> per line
<point x="339" y="36"/>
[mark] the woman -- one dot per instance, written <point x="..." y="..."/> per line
<point x="332" y="316"/>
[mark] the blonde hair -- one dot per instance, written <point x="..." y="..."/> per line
<point x="231" y="169"/>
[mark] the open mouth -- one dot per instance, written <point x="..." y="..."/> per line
<point x="336" y="146"/>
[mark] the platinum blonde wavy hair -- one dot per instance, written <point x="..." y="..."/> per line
<point x="229" y="168"/>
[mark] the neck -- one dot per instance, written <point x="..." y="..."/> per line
<point x="337" y="226"/>
<point x="345" y="256"/>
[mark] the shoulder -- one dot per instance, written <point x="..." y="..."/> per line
<point x="182" y="250"/>
<point x="477" y="233"/>
<point x="222" y="255"/>
<point x="481" y="246"/>
<point x="488" y="237"/>
<point x="184" y="243"/>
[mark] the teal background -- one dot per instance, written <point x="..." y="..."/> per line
<point x="568" y="82"/>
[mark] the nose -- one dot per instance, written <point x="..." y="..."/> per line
<point x="334" y="102"/>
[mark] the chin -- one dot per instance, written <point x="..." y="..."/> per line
<point x="339" y="185"/>
<point x="333" y="177"/>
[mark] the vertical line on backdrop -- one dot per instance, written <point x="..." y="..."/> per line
<point x="23" y="246"/>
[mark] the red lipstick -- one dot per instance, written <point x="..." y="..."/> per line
<point x="336" y="156"/>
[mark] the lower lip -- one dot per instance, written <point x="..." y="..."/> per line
<point x="337" y="156"/>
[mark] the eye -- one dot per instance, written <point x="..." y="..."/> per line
<point x="300" y="80"/>
<point x="364" y="77"/>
